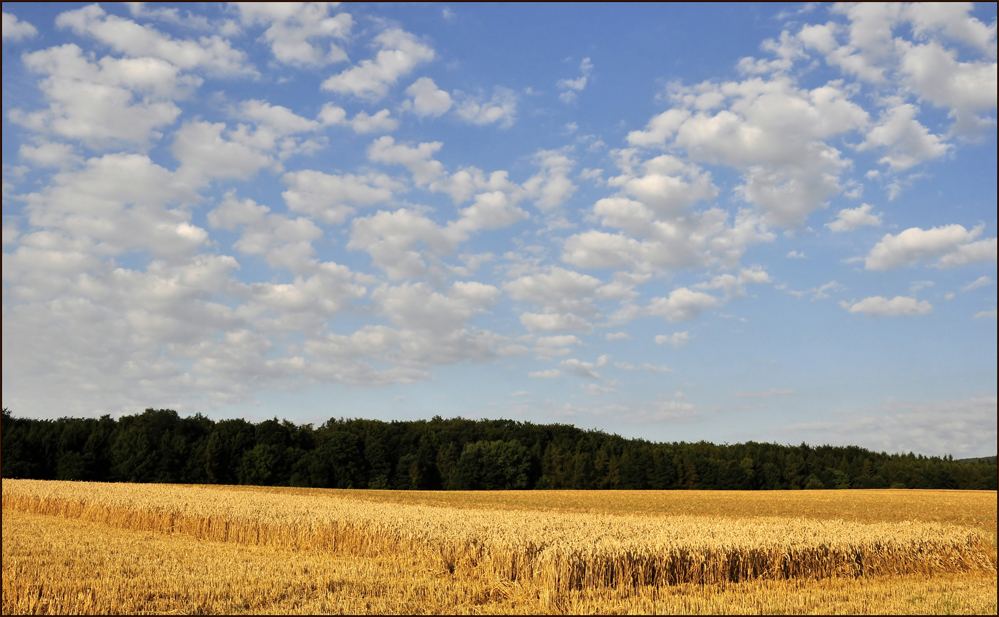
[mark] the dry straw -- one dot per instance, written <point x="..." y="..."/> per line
<point x="554" y="551"/>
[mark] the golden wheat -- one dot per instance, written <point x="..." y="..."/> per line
<point x="557" y="552"/>
<point x="54" y="565"/>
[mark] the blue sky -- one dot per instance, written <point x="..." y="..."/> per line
<point x="676" y="222"/>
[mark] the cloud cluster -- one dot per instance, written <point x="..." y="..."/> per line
<point x="952" y="244"/>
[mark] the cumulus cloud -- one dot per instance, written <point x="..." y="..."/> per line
<point x="770" y="130"/>
<point x="211" y="53"/>
<point x="849" y="219"/>
<point x="204" y="152"/>
<point x="702" y="238"/>
<point x="292" y="28"/>
<point x="734" y="284"/>
<point x="427" y="99"/>
<point x="380" y="122"/>
<point x="399" y="53"/>
<point x="557" y="345"/>
<point x="982" y="281"/>
<point x="953" y="244"/>
<point x="395" y="239"/>
<point x="501" y="109"/>
<point x="552" y="186"/>
<point x="571" y="87"/>
<point x="548" y="374"/>
<point x="102" y="103"/>
<point x="881" y="306"/>
<point x="682" y="304"/>
<point x="586" y="370"/>
<point x="49" y="154"/>
<point x="817" y="293"/>
<point x="332" y="198"/>
<point x="566" y="296"/>
<point x="16" y="30"/>
<point x="908" y="142"/>
<point x="276" y="117"/>
<point x="284" y="242"/>
<point x="665" y="184"/>
<point x="677" y="339"/>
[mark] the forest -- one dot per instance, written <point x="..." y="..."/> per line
<point x="159" y="445"/>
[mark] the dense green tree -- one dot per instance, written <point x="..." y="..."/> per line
<point x="160" y="446"/>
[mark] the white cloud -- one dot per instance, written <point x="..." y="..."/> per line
<point x="394" y="241"/>
<point x="694" y="239"/>
<point x="770" y="130"/>
<point x="558" y="290"/>
<point x="381" y="122"/>
<point x="427" y="98"/>
<point x="817" y="293"/>
<point x="558" y="345"/>
<point x="982" y="281"/>
<point x="96" y="102"/>
<point x="617" y="336"/>
<point x="332" y="198"/>
<point x="967" y="88"/>
<point x="291" y="26"/>
<point x="16" y="30"/>
<point x="682" y="304"/>
<point x="549" y="374"/>
<point x="961" y="427"/>
<point x="331" y="114"/>
<point x="282" y="241"/>
<point x="734" y="285"/>
<point x="677" y="339"/>
<point x="952" y="243"/>
<point x="580" y="368"/>
<point x="417" y="306"/>
<point x="204" y="152"/>
<point x="280" y="119"/>
<point x="501" y="109"/>
<point x="554" y="322"/>
<point x="212" y="53"/>
<point x="419" y="160"/>
<point x="492" y="210"/>
<point x="849" y="219"/>
<point x="552" y="186"/>
<point x="796" y="255"/>
<point x="878" y="305"/>
<point x="400" y="52"/>
<point x="570" y="87"/>
<point x="49" y="154"/>
<point x="986" y="314"/>
<point x="909" y="142"/>
<point x="982" y="250"/>
<point x="666" y="184"/>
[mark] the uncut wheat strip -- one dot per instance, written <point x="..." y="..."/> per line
<point x="476" y="539"/>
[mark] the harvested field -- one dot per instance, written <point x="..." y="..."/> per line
<point x="538" y="559"/>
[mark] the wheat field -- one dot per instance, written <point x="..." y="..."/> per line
<point x="93" y="548"/>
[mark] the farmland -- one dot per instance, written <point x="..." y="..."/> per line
<point x="86" y="547"/>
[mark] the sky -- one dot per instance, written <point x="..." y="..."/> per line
<point x="768" y="222"/>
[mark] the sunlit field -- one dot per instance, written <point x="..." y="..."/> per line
<point x="132" y="548"/>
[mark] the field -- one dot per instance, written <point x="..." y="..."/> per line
<point x="95" y="548"/>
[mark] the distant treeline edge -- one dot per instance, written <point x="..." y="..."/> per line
<point x="160" y="446"/>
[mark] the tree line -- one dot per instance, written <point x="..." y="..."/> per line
<point x="443" y="454"/>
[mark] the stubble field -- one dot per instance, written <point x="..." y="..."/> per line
<point x="118" y="548"/>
